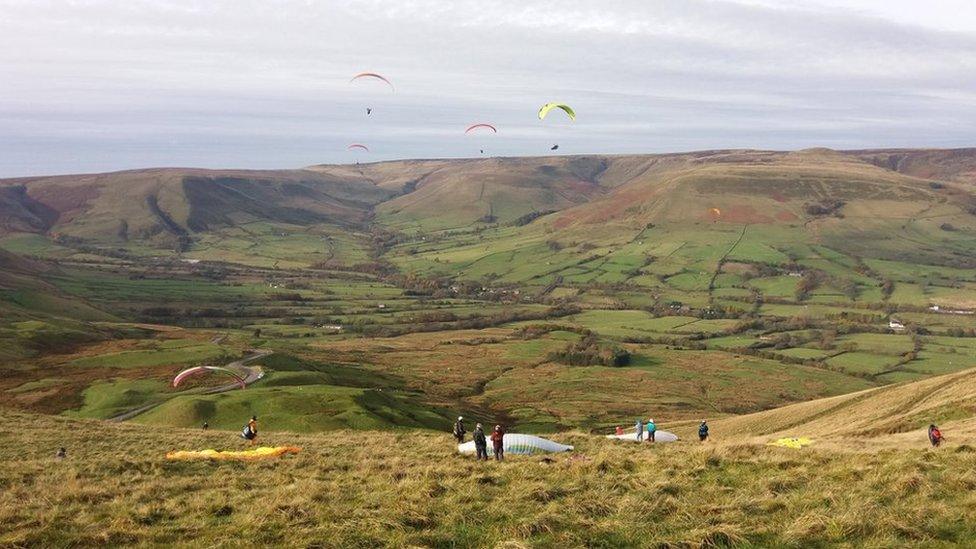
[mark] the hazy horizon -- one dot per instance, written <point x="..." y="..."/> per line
<point x="102" y="86"/>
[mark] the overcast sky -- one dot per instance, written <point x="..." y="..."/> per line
<point x="88" y="85"/>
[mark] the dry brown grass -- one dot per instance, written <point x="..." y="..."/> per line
<point x="406" y="488"/>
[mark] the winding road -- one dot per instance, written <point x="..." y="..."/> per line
<point x="251" y="374"/>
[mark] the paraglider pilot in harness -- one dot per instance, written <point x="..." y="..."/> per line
<point x="250" y="431"/>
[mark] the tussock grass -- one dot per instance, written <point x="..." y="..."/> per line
<point x="408" y="488"/>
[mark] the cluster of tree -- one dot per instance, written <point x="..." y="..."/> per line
<point x="825" y="207"/>
<point x="589" y="351"/>
<point x="286" y="297"/>
<point x="472" y="323"/>
<point x="530" y="217"/>
<point x="535" y="331"/>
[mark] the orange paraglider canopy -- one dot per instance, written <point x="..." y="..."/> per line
<point x="372" y="75"/>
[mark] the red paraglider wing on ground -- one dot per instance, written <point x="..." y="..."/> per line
<point x="476" y="126"/>
<point x="196" y="370"/>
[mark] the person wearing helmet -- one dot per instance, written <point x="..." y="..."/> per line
<point x="459" y="430"/>
<point x="703" y="431"/>
<point x="935" y="436"/>
<point x="480" y="442"/>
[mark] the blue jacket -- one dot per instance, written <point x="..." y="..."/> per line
<point x="651" y="427"/>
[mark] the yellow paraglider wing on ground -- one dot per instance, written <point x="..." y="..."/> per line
<point x="564" y="107"/>
<point x="263" y="452"/>
<point x="792" y="442"/>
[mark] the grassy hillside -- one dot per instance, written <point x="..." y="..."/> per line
<point x="165" y="207"/>
<point x="892" y="415"/>
<point x="384" y="488"/>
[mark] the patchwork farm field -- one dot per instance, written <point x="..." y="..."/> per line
<point x="553" y="294"/>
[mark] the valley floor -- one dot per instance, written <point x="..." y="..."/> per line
<point x="379" y="488"/>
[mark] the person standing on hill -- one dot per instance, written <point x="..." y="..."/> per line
<point x="935" y="436"/>
<point x="651" y="429"/>
<point x="459" y="430"/>
<point x="206" y="425"/>
<point x="498" y="442"/>
<point x="639" y="429"/>
<point x="480" y="442"/>
<point x="703" y="431"/>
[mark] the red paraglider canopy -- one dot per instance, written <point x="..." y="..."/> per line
<point x="201" y="369"/>
<point x="357" y="146"/>
<point x="476" y="126"/>
<point x="372" y="75"/>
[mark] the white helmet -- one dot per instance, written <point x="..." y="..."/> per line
<point x="460" y="418"/>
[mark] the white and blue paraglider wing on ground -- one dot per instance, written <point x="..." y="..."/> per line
<point x="659" y="436"/>
<point x="514" y="443"/>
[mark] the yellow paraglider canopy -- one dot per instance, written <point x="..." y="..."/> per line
<point x="562" y="106"/>
<point x="792" y="442"/>
<point x="263" y="452"/>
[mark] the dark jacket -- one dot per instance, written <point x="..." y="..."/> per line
<point x="703" y="430"/>
<point x="459" y="428"/>
<point x="479" y="438"/>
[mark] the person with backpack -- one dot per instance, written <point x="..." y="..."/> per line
<point x="459" y="430"/>
<point x="935" y="436"/>
<point x="639" y="429"/>
<point x="480" y="442"/>
<point x="651" y="429"/>
<point x="250" y="431"/>
<point x="703" y="431"/>
<point x="498" y="442"/>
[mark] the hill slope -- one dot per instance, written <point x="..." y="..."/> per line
<point x="163" y="205"/>
<point x="893" y="415"/>
<point x="410" y="488"/>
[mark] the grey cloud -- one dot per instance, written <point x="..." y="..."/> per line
<point x="98" y="84"/>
